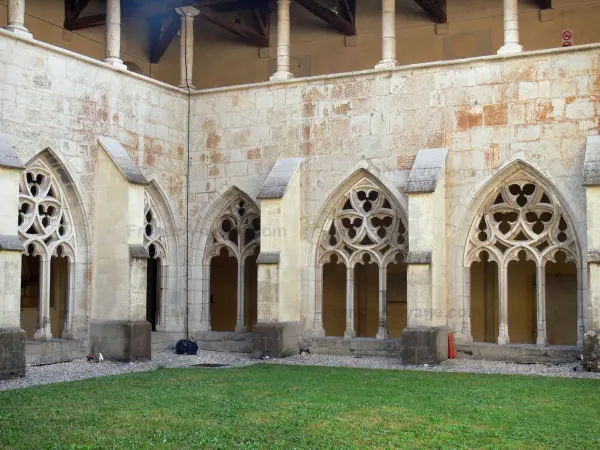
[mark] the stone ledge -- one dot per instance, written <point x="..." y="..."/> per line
<point x="423" y="257"/>
<point x="268" y="258"/>
<point x="138" y="251"/>
<point x="518" y="353"/>
<point x="427" y="169"/>
<point x="120" y="157"/>
<point x="357" y="346"/>
<point x="12" y="353"/>
<point x="10" y="243"/>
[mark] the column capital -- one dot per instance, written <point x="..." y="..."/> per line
<point x="188" y="11"/>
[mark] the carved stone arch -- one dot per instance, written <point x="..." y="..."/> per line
<point x="161" y="236"/>
<point x="516" y="209"/>
<point x="62" y="231"/>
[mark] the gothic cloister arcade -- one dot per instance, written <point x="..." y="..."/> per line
<point x="229" y="267"/>
<point x="54" y="261"/>
<point x="361" y="270"/>
<point x="522" y="263"/>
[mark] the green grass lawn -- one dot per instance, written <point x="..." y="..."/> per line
<point x="273" y="406"/>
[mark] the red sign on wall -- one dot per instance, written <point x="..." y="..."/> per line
<point x="567" y="38"/>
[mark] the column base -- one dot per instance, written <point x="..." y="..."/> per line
<point x="20" y="31"/>
<point x="510" y="49"/>
<point x="349" y="334"/>
<point x="185" y="86"/>
<point x="278" y="339"/>
<point x="424" y="345"/>
<point x="281" y="76"/>
<point x="387" y="63"/>
<point x="315" y="332"/>
<point x="116" y="63"/>
<point x="122" y="340"/>
<point x="382" y="334"/>
<point x="12" y="356"/>
<point x="241" y="329"/>
<point x="43" y="334"/>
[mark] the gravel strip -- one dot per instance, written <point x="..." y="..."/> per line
<point x="81" y="368"/>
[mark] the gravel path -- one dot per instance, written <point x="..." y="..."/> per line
<point x="81" y="369"/>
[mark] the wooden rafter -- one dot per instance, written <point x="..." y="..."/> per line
<point x="435" y="8"/>
<point x="544" y="4"/>
<point x="236" y="27"/>
<point x="341" y="17"/>
<point x="159" y="39"/>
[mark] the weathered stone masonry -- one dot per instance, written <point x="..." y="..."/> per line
<point x="489" y="117"/>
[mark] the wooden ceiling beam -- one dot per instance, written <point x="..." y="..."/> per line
<point x="544" y="4"/>
<point x="235" y="26"/>
<point x="435" y="8"/>
<point x="160" y="40"/>
<point x="336" y="17"/>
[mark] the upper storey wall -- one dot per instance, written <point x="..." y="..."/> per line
<point x="57" y="99"/>
<point x="475" y="28"/>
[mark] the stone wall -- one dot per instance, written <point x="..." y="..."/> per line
<point x="488" y="112"/>
<point x="57" y="100"/>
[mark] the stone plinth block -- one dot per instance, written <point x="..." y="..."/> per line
<point x="591" y="351"/>
<point x="12" y="353"/>
<point x="279" y="339"/>
<point x="424" y="345"/>
<point x="122" y="340"/>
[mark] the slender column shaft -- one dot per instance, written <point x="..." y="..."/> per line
<point x="349" y="333"/>
<point x="466" y="325"/>
<point x="16" y="17"/>
<point x="388" y="35"/>
<point x="503" y="337"/>
<point x="69" y="302"/>
<point x="511" y="28"/>
<point x="205" y="305"/>
<point x="541" y="306"/>
<point x="318" y="320"/>
<point x="44" y="332"/>
<point x="240" y="326"/>
<point x="283" y="41"/>
<point x="382" y="332"/>
<point x="580" y="313"/>
<point x="113" y="33"/>
<point x="186" y="45"/>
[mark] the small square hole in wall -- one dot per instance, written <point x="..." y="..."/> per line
<point x="299" y="66"/>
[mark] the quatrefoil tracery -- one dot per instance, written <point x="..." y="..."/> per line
<point x="44" y="219"/>
<point x="237" y="230"/>
<point x="521" y="216"/>
<point x="364" y="228"/>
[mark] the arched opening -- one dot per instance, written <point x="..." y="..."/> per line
<point x="251" y="291"/>
<point x="153" y="287"/>
<point x="334" y="297"/>
<point x="223" y="291"/>
<point x="30" y="292"/>
<point x="59" y="294"/>
<point x="522" y="300"/>
<point x="561" y="301"/>
<point x="484" y="299"/>
<point x="366" y="298"/>
<point x="396" y="298"/>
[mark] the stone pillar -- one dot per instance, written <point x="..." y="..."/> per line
<point x="317" y="328"/>
<point x="205" y="305"/>
<point x="279" y="330"/>
<point x="425" y="340"/>
<point x="382" y="332"/>
<point x="503" y="338"/>
<point x="283" y="42"/>
<point x="12" y="336"/>
<point x="350" y="333"/>
<point x="118" y="321"/>
<point x="388" y="35"/>
<point x="16" y="18"/>
<point x="591" y="181"/>
<point x="511" y="28"/>
<point x="541" y="339"/>
<point x="43" y="332"/>
<point x="186" y="45"/>
<point x="240" y="326"/>
<point x="113" y="34"/>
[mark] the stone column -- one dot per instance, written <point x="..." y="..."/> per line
<point x="67" y="330"/>
<point x="388" y="35"/>
<point x="205" y="305"/>
<point x="382" y="332"/>
<point x="503" y="337"/>
<point x="240" y="326"/>
<point x="541" y="307"/>
<point x="186" y="45"/>
<point x="591" y="181"/>
<point x="283" y="42"/>
<point x="318" y="329"/>
<point x="113" y="34"/>
<point x="511" y="28"/>
<point x="43" y="332"/>
<point x="349" y="333"/>
<point x="16" y="18"/>
<point x="466" y="333"/>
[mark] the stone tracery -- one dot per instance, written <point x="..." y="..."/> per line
<point x="154" y="231"/>
<point x="522" y="216"/>
<point x="364" y="227"/>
